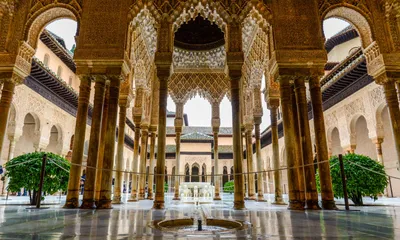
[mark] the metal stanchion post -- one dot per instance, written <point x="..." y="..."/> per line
<point x="42" y="172"/>
<point x="346" y="198"/>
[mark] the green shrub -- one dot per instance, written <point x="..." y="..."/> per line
<point x="24" y="172"/>
<point x="360" y="182"/>
<point x="229" y="187"/>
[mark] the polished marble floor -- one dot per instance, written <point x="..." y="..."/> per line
<point x="133" y="221"/>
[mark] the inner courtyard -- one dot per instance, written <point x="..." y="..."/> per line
<point x="197" y="118"/>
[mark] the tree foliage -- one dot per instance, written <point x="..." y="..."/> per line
<point x="360" y="182"/>
<point x="229" y="187"/>
<point x="24" y="172"/>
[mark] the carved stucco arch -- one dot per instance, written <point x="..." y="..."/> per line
<point x="379" y="121"/>
<point x="353" y="124"/>
<point x="211" y="86"/>
<point x="40" y="19"/>
<point x="356" y="17"/>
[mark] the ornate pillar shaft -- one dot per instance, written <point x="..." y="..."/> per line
<point x="250" y="163"/>
<point x="103" y="131"/>
<point x="135" y="163"/>
<point x="299" y="149"/>
<point x="292" y="161"/>
<point x="275" y="153"/>
<point x="151" y="168"/>
<point x="72" y="200"/>
<point x="11" y="149"/>
<point x="5" y="104"/>
<point x="321" y="145"/>
<point x="162" y="134"/>
<point x="90" y="182"/>
<point x="260" y="175"/>
<point x="217" y="178"/>
<point x="143" y="158"/>
<point x="306" y="145"/>
<point x="237" y="153"/>
<point x="120" y="151"/>
<point x="378" y="143"/>
<point x="109" y="149"/>
<point x="178" y="131"/>
<point x="394" y="112"/>
<point x="178" y="163"/>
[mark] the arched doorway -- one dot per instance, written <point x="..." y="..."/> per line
<point x="30" y="133"/>
<point x="203" y="173"/>
<point x="55" y="143"/>
<point x="195" y="173"/>
<point x="187" y="173"/>
<point x="336" y="146"/>
<point x="364" y="144"/>
<point x="225" y="178"/>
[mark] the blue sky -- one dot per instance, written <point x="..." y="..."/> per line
<point x="197" y="109"/>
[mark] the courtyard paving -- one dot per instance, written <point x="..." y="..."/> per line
<point x="134" y="220"/>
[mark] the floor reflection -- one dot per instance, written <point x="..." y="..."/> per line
<point x="133" y="220"/>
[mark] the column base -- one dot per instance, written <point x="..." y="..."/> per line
<point x="329" y="205"/>
<point x="260" y="198"/>
<point x="88" y="204"/>
<point x="104" y="204"/>
<point x="252" y="198"/>
<point x="217" y="198"/>
<point x="141" y="197"/>
<point x="71" y="203"/>
<point x="239" y="205"/>
<point x="132" y="200"/>
<point x="176" y="198"/>
<point x="279" y="201"/>
<point x="150" y="195"/>
<point x="296" y="205"/>
<point x="158" y="205"/>
<point x="117" y="200"/>
<point x="312" y="205"/>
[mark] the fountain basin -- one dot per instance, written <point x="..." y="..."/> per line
<point x="188" y="226"/>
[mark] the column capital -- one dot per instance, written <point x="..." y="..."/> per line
<point x="273" y="103"/>
<point x="257" y="120"/>
<point x="153" y="129"/>
<point x="377" y="140"/>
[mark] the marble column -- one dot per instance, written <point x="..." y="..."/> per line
<point x="394" y="112"/>
<point x="260" y="169"/>
<point x="11" y="148"/>
<point x="123" y="105"/>
<point x="327" y="196"/>
<point x="109" y="148"/>
<point x="135" y="162"/>
<point x="161" y="141"/>
<point x="103" y="131"/>
<point x="217" y="178"/>
<point x="299" y="149"/>
<point x="5" y="105"/>
<point x="250" y="163"/>
<point x="237" y="153"/>
<point x="178" y="131"/>
<point x="72" y="200"/>
<point x="378" y="144"/>
<point x="88" y="201"/>
<point x="273" y="107"/>
<point x="178" y="163"/>
<point x="295" y="202"/>
<point x="306" y="145"/>
<point x="143" y="160"/>
<point x="151" y="168"/>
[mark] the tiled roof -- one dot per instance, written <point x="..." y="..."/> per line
<point x="225" y="149"/>
<point x="170" y="149"/>
<point x="341" y="37"/>
<point x="204" y="130"/>
<point x="196" y="136"/>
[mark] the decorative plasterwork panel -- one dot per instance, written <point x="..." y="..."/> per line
<point x="144" y="24"/>
<point x="212" y="59"/>
<point x="206" y="12"/>
<point x="211" y="86"/>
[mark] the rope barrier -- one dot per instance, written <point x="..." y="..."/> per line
<point x="201" y="175"/>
